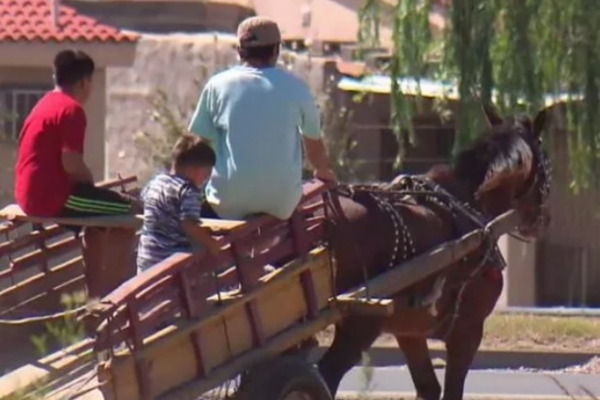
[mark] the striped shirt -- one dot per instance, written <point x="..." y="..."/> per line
<point x="168" y="199"/>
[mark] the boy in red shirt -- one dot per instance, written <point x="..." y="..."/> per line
<point x="52" y="179"/>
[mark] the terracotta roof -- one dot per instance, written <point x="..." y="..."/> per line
<point x="31" y="20"/>
<point x="240" y="3"/>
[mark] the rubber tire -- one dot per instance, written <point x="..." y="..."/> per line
<point x="278" y="378"/>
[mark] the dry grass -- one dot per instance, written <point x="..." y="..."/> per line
<point x="525" y="332"/>
<point x="528" y="332"/>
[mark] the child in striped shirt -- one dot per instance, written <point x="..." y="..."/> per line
<point x="172" y="205"/>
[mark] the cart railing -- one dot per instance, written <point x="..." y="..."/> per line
<point x="39" y="262"/>
<point x="184" y="284"/>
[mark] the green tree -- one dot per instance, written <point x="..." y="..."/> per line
<point x="513" y="52"/>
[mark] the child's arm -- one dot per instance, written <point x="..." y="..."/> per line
<point x="200" y="235"/>
<point x="189" y="218"/>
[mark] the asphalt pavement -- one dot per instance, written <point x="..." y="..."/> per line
<point x="499" y="383"/>
<point x="395" y="383"/>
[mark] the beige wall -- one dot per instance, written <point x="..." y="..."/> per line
<point x="30" y="75"/>
<point x="520" y="274"/>
<point x="7" y="155"/>
<point x="568" y="268"/>
<point x="95" y="143"/>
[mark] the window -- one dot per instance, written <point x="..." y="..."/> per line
<point x="15" y="105"/>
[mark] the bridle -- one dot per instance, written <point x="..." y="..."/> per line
<point x="539" y="181"/>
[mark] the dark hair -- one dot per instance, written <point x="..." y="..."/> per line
<point x="191" y="150"/>
<point x="72" y="66"/>
<point x="264" y="53"/>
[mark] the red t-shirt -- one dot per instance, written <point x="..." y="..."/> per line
<point x="56" y="124"/>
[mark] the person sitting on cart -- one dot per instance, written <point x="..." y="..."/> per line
<point x="53" y="180"/>
<point x="172" y="205"/>
<point x="256" y="117"/>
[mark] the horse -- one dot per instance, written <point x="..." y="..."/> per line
<point x="375" y="227"/>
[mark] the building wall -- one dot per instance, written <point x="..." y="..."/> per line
<point x="568" y="270"/>
<point x="376" y="146"/>
<point x="178" y="65"/>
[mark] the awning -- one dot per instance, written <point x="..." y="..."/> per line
<point x="383" y="85"/>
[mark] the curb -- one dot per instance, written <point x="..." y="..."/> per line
<point x="411" y="395"/>
<point x="485" y="359"/>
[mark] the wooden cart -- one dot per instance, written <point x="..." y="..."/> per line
<point x="39" y="262"/>
<point x="191" y="324"/>
<point x="173" y="333"/>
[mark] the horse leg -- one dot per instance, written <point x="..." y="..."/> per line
<point x="421" y="369"/>
<point x="353" y="336"/>
<point x="461" y="347"/>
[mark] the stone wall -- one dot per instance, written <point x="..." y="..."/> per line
<point x="179" y="65"/>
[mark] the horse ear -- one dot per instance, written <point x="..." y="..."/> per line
<point x="492" y="117"/>
<point x="539" y="123"/>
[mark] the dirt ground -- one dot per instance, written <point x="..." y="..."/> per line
<point x="524" y="332"/>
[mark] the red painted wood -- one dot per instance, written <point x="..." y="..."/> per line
<point x="192" y="312"/>
<point x="248" y="282"/>
<point x="299" y="236"/>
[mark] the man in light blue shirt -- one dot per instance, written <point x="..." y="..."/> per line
<point x="257" y="117"/>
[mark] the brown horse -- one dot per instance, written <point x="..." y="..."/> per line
<point x="374" y="227"/>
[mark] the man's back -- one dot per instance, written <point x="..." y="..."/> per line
<point x="254" y="118"/>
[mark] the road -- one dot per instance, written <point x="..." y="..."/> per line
<point x="398" y="380"/>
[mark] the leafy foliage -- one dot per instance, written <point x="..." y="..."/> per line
<point x="172" y="120"/>
<point x="514" y="52"/>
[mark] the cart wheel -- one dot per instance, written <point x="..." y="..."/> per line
<point x="286" y="378"/>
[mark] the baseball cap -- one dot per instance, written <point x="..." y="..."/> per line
<point x="257" y="32"/>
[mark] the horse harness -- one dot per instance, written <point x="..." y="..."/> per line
<point x="418" y="190"/>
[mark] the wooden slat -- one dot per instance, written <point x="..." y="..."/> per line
<point x="14" y="212"/>
<point x="37" y="256"/>
<point x="221" y="225"/>
<point x="225" y="333"/>
<point x="273" y="347"/>
<point x="167" y="267"/>
<point x="111" y="183"/>
<point x="435" y="260"/>
<point x="193" y="312"/>
<point x="374" y="307"/>
<point x="29" y="239"/>
<point x="40" y="284"/>
<point x="8" y="226"/>
<point x="247" y="281"/>
<point x="289" y="271"/>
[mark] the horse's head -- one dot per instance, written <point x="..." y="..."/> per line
<point x="508" y="168"/>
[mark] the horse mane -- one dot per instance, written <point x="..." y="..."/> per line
<point x="495" y="156"/>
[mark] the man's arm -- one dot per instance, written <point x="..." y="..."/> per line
<point x="72" y="128"/>
<point x="202" y="123"/>
<point x="314" y="146"/>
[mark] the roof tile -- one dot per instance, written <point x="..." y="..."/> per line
<point x="30" y="20"/>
